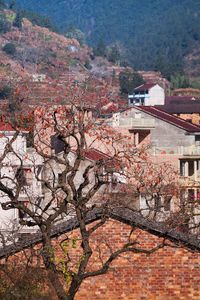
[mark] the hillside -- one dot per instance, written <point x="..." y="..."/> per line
<point x="153" y="34"/>
<point x="46" y="66"/>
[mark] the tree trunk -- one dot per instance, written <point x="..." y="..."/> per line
<point x="49" y="262"/>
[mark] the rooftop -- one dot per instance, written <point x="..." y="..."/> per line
<point x="96" y="155"/>
<point x="164" y="116"/>
<point x="181" y="104"/>
<point x="144" y="87"/>
<point x="123" y="215"/>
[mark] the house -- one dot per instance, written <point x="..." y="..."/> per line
<point x="170" y="140"/>
<point x="147" y="94"/>
<point x="19" y="165"/>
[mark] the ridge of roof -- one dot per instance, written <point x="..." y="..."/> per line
<point x="123" y="215"/>
<point x="165" y="116"/>
<point x="145" y="86"/>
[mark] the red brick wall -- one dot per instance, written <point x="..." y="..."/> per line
<point x="168" y="274"/>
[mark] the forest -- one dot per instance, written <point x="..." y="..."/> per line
<point x="156" y="34"/>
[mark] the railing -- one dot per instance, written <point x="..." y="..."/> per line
<point x="136" y="123"/>
<point x="191" y="150"/>
<point x="179" y="150"/>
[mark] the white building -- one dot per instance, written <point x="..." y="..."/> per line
<point x="18" y="168"/>
<point x="148" y="94"/>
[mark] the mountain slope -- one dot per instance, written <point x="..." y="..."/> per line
<point x="150" y="30"/>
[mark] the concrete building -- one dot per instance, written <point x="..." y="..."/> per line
<point x="147" y="94"/>
<point x="171" y="140"/>
<point x="18" y="168"/>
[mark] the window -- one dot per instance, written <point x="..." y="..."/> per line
<point x="157" y="202"/>
<point x="182" y="168"/>
<point x="61" y="178"/>
<point x="57" y="144"/>
<point x="21" y="213"/>
<point x="167" y="202"/>
<point x="24" y="176"/>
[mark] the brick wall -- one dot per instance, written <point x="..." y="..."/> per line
<point x="168" y="274"/>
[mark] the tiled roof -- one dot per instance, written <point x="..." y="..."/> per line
<point x="182" y="108"/>
<point x="6" y="127"/>
<point x="123" y="215"/>
<point x="144" y="87"/>
<point x="178" y="99"/>
<point x="164" y="116"/>
<point x="96" y="155"/>
<point x="180" y="104"/>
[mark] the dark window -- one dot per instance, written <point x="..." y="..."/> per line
<point x="24" y="176"/>
<point x="61" y="178"/>
<point x="191" y="195"/>
<point x="167" y="202"/>
<point x="142" y="101"/>
<point x="57" y="143"/>
<point x="22" y="214"/>
<point x="158" y="203"/>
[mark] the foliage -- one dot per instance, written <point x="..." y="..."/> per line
<point x="75" y="33"/>
<point x="35" y="18"/>
<point x="5" y="91"/>
<point x="180" y="81"/>
<point x="2" y="4"/>
<point x="18" y="20"/>
<point x="129" y="80"/>
<point x="64" y="138"/>
<point x="100" y="49"/>
<point x="113" y="54"/>
<point x="195" y="82"/>
<point x="5" y="25"/>
<point x="18" y="283"/>
<point x="9" y="48"/>
<point x="148" y="29"/>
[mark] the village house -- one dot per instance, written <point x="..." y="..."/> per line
<point x="147" y="94"/>
<point x="169" y="138"/>
<point x="18" y="169"/>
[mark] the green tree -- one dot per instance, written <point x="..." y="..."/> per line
<point x="5" y="91"/>
<point x="13" y="5"/>
<point x="129" y="80"/>
<point x="9" y="48"/>
<point x="100" y="49"/>
<point x="18" y="20"/>
<point x="2" y="4"/>
<point x="114" y="54"/>
<point x="180" y="81"/>
<point x="75" y="33"/>
<point x="5" y="26"/>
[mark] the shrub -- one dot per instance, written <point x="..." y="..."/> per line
<point x="5" y="92"/>
<point x="9" y="48"/>
<point x="5" y="26"/>
<point x="129" y="80"/>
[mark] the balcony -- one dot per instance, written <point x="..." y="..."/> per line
<point x="191" y="151"/>
<point x="133" y="123"/>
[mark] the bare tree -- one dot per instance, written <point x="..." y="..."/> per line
<point x="76" y="164"/>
